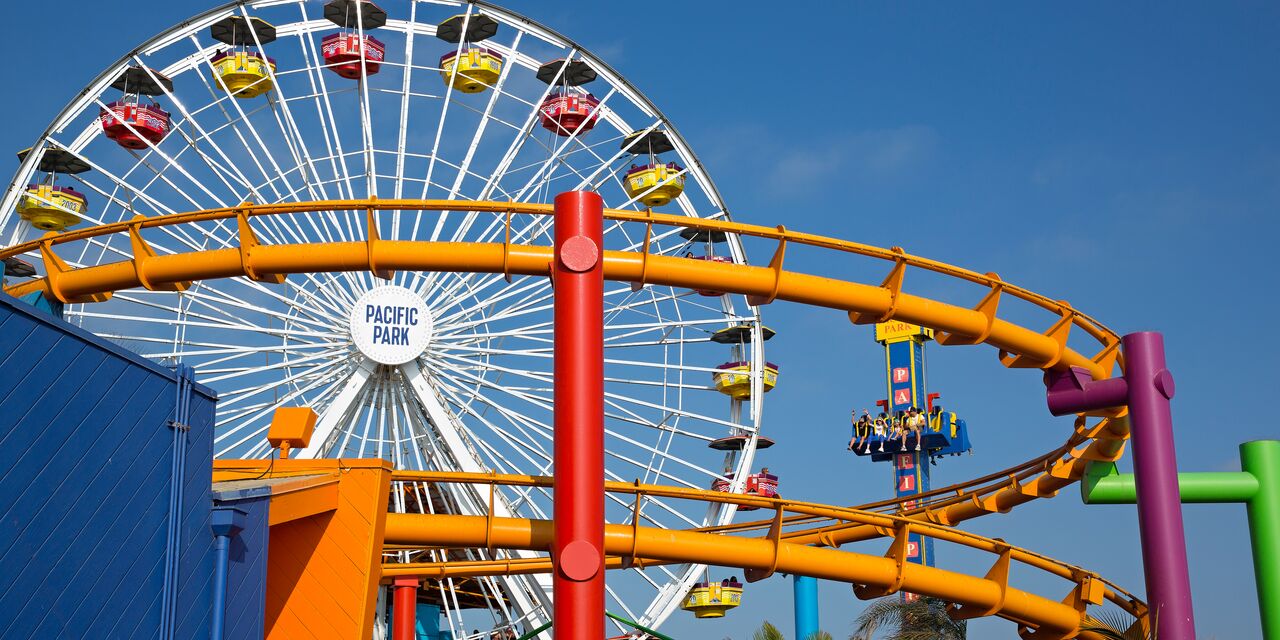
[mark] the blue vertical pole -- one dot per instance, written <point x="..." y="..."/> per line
<point x="805" y="590"/>
<point x="226" y="522"/>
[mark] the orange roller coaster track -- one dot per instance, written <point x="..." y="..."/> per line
<point x="1019" y="346"/>
<point x="807" y="552"/>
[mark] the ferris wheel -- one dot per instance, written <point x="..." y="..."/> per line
<point x="274" y="101"/>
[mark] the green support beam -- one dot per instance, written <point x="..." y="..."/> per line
<point x="1257" y="485"/>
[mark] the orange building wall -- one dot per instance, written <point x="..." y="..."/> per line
<point x="323" y="569"/>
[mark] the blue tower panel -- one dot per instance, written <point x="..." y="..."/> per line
<point x="247" y="572"/>
<point x="905" y="363"/>
<point x="87" y="454"/>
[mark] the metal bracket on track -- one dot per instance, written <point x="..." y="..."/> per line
<point x="506" y="248"/>
<point x="774" y="536"/>
<point x="371" y="221"/>
<point x="55" y="267"/>
<point x="1058" y="333"/>
<point x="644" y="251"/>
<point x="999" y="574"/>
<point x="898" y="554"/>
<point x="987" y="307"/>
<point x="631" y="560"/>
<point x="892" y="282"/>
<point x="142" y="252"/>
<point x="775" y="265"/>
<point x="248" y="242"/>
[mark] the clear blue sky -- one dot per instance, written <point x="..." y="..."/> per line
<point x="1124" y="157"/>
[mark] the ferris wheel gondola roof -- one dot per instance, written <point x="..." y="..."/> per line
<point x="740" y="333"/>
<point x="55" y="160"/>
<point x="236" y="31"/>
<point x="479" y="27"/>
<point x="703" y="235"/>
<point x="17" y="267"/>
<point x="655" y="142"/>
<point x="370" y="16"/>
<point x="739" y="442"/>
<point x="574" y="73"/>
<point x="143" y="81"/>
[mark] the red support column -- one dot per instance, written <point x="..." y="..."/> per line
<point x="578" y="549"/>
<point x="405" y="609"/>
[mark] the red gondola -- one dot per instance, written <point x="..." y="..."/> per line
<point x="566" y="113"/>
<point x="133" y="125"/>
<point x="343" y="56"/>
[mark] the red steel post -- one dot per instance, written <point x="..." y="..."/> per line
<point x="405" y="609"/>
<point x="578" y="548"/>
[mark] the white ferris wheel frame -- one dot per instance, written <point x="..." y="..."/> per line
<point x="424" y="389"/>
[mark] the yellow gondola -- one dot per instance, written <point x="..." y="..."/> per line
<point x="51" y="208"/>
<point x="712" y="600"/>
<point x="244" y="74"/>
<point x="734" y="379"/>
<point x="471" y="70"/>
<point x="662" y="182"/>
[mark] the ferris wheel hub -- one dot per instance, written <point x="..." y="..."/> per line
<point x="390" y="324"/>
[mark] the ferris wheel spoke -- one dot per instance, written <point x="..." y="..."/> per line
<point x="524" y="443"/>
<point x="675" y="412"/>
<point x="228" y="167"/>
<point x="231" y="373"/>
<point x="543" y="433"/>
<point x="324" y="108"/>
<point x="237" y="396"/>
<point x="485" y="118"/>
<point x="336" y="411"/>
<point x="236" y="351"/>
<point x="247" y="328"/>
<point x="535" y="290"/>
<point x="256" y="417"/>
<point x="440" y="124"/>
<point x="627" y="415"/>
<point x="172" y="162"/>
<point x="223" y="317"/>
<point x="500" y="171"/>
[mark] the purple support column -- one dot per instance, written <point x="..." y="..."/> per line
<point x="1147" y="387"/>
<point x="1155" y="467"/>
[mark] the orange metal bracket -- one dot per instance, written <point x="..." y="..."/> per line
<point x="999" y="574"/>
<point x="987" y="307"/>
<point x="898" y="554"/>
<point x="774" y="536"/>
<point x="506" y="247"/>
<point x="892" y="282"/>
<point x="644" y="252"/>
<point x="775" y="265"/>
<point x="142" y="252"/>
<point x="248" y="242"/>
<point x="1058" y="333"/>
<point x="371" y="220"/>
<point x="55" y="267"/>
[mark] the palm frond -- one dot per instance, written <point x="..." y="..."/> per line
<point x="767" y="632"/>
<point x="922" y="619"/>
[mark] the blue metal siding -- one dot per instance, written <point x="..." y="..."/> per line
<point x="85" y="465"/>
<point x="247" y="573"/>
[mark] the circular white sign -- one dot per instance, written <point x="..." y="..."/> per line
<point x="390" y="324"/>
